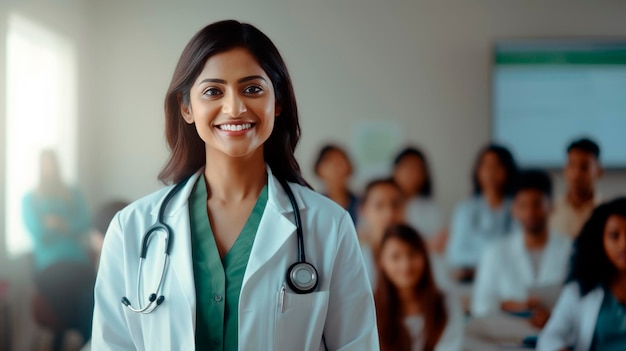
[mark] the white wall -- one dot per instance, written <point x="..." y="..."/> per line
<point x="423" y="64"/>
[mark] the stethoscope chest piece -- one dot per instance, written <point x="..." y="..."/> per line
<point x="302" y="277"/>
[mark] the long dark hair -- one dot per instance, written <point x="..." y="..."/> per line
<point x="508" y="162"/>
<point x="187" y="148"/>
<point x="411" y="151"/>
<point x="590" y="267"/>
<point x="393" y="334"/>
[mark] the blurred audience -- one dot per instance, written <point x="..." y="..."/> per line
<point x="530" y="257"/>
<point x="590" y="313"/>
<point x="581" y="172"/>
<point x="412" y="173"/>
<point x="57" y="219"/>
<point x="413" y="313"/>
<point x="485" y="216"/>
<point x="382" y="205"/>
<point x="334" y="168"/>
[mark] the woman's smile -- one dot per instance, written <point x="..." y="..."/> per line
<point x="233" y="129"/>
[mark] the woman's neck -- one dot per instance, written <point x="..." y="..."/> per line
<point x="234" y="178"/>
<point x="618" y="287"/>
<point x="409" y="301"/>
<point x="494" y="198"/>
<point x="374" y="237"/>
<point x="340" y="195"/>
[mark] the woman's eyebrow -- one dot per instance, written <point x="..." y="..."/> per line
<point x="249" y="78"/>
<point x="242" y="80"/>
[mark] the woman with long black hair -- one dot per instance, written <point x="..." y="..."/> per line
<point x="255" y="260"/>
<point x="486" y="215"/>
<point x="591" y="311"/>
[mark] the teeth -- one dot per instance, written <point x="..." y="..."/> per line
<point x="235" y="127"/>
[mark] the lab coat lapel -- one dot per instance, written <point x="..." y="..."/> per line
<point x="549" y="267"/>
<point x="589" y="309"/>
<point x="177" y="218"/>
<point x="525" y="267"/>
<point x="274" y="229"/>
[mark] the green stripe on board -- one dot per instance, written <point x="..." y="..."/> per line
<point x="605" y="57"/>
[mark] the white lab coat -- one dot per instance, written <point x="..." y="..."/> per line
<point x="505" y="271"/>
<point x="573" y="320"/>
<point x="341" y="309"/>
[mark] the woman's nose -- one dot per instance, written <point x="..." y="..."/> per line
<point x="233" y="105"/>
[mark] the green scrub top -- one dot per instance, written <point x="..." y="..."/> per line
<point x="610" y="332"/>
<point x="218" y="281"/>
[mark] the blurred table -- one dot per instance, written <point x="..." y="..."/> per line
<point x="498" y="332"/>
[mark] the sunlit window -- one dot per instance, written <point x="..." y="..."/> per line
<point x="41" y="113"/>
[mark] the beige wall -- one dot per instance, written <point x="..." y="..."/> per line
<point x="422" y="64"/>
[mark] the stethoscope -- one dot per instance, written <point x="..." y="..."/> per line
<point x="302" y="276"/>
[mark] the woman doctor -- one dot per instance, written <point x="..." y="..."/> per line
<point x="232" y="126"/>
<point x="591" y="311"/>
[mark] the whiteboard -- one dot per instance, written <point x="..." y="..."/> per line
<point x="547" y="94"/>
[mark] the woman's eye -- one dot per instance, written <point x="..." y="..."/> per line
<point x="253" y="89"/>
<point x="212" y="92"/>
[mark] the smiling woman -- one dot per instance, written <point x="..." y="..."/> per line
<point x="238" y="223"/>
<point x="221" y="107"/>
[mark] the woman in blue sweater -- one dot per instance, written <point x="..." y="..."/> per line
<point x="57" y="219"/>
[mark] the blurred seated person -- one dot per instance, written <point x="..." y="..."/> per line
<point x="485" y="216"/>
<point x="382" y="206"/>
<point x="57" y="219"/>
<point x="334" y="168"/>
<point x="530" y="257"/>
<point x="411" y="172"/>
<point x="413" y="313"/>
<point x="590" y="313"/>
<point x="581" y="172"/>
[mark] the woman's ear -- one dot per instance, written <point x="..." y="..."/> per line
<point x="185" y="111"/>
<point x="185" y="108"/>
<point x="278" y="109"/>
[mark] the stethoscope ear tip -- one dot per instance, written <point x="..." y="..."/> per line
<point x="152" y="297"/>
<point x="160" y="300"/>
<point x="125" y="301"/>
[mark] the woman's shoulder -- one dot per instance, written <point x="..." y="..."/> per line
<point x="573" y="292"/>
<point x="146" y="204"/>
<point x="319" y="204"/>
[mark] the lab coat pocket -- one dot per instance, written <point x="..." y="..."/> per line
<point x="300" y="320"/>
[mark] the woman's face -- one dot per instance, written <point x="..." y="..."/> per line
<point x="401" y="263"/>
<point x="410" y="174"/>
<point x="491" y="173"/>
<point x="383" y="207"/>
<point x="334" y="169"/>
<point x="614" y="238"/>
<point x="233" y="104"/>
